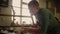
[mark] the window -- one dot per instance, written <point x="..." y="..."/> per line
<point x="20" y="8"/>
<point x="26" y="1"/>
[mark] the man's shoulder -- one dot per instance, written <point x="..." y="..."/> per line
<point x="44" y="10"/>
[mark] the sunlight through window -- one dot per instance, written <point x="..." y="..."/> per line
<point x="26" y="1"/>
<point x="16" y="7"/>
<point x="25" y="11"/>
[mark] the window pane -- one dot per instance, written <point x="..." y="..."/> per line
<point x="34" y="18"/>
<point x="16" y="3"/>
<point x="25" y="6"/>
<point x="26" y="20"/>
<point x="25" y="12"/>
<point x="26" y="1"/>
<point x="17" y="11"/>
<point x="17" y="20"/>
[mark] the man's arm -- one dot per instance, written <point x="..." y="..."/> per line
<point x="45" y="21"/>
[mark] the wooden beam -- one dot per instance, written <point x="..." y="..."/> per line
<point x="13" y="15"/>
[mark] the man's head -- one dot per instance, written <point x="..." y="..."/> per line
<point x="33" y="7"/>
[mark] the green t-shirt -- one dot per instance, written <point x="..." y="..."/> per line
<point x="45" y="19"/>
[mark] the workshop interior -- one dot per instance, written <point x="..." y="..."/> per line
<point x="16" y="18"/>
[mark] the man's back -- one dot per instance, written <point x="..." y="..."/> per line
<point x="46" y="19"/>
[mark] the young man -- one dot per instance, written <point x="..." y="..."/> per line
<point x="45" y="19"/>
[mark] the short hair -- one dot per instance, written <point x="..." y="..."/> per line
<point x="34" y="3"/>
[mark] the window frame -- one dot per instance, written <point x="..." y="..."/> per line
<point x="21" y="13"/>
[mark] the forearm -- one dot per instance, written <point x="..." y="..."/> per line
<point x="45" y="23"/>
<point x="45" y="28"/>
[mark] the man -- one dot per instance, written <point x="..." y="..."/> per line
<point x="45" y="19"/>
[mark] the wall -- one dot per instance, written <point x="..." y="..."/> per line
<point x="42" y="3"/>
<point x="58" y="16"/>
<point x="51" y="7"/>
<point x="4" y="20"/>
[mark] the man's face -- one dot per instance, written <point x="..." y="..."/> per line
<point x="33" y="9"/>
